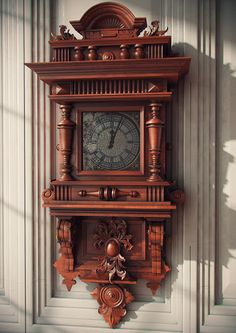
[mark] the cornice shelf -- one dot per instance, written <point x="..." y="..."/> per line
<point x="171" y="69"/>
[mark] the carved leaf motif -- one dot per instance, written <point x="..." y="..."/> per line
<point x="126" y="242"/>
<point x="113" y="266"/>
<point x="101" y="235"/>
<point x="111" y="235"/>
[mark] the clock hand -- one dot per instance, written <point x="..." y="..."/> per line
<point x="111" y="143"/>
<point x="113" y="134"/>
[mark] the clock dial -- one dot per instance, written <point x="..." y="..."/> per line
<point x="111" y="140"/>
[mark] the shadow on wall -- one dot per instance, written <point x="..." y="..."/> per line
<point x="224" y="254"/>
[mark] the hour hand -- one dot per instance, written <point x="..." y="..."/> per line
<point x="113" y="134"/>
<point x="111" y="143"/>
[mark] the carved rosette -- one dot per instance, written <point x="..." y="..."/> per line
<point x="48" y="195"/>
<point x="65" y="263"/>
<point x="112" y="236"/>
<point x="176" y="195"/>
<point x="108" y="56"/>
<point x="113" y="300"/>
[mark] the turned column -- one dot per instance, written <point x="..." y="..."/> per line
<point x="66" y="129"/>
<point x="154" y="126"/>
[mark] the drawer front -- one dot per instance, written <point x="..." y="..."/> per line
<point x="109" y="193"/>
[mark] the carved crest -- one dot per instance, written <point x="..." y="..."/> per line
<point x="64" y="34"/>
<point x="109" y="19"/>
<point x="153" y="30"/>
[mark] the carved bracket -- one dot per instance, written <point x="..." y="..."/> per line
<point x="65" y="263"/>
<point x="113" y="300"/>
<point x="159" y="268"/>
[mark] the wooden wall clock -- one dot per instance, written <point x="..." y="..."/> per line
<point x="112" y="197"/>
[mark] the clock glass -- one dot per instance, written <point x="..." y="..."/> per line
<point x="111" y="140"/>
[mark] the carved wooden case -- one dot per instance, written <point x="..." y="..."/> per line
<point x="112" y="197"/>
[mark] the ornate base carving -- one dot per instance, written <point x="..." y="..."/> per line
<point x="113" y="300"/>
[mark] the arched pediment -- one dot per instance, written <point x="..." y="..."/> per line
<point x="109" y="19"/>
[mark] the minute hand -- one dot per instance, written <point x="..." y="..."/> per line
<point x="113" y="134"/>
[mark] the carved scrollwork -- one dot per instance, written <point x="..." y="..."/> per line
<point x="153" y="30"/>
<point x="64" y="34"/>
<point x="112" y="236"/>
<point x="112" y="300"/>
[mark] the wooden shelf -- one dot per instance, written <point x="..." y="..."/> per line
<point x="171" y="69"/>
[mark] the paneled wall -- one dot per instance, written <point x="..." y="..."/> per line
<point x="199" y="294"/>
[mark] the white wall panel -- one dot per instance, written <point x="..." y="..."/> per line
<point x="12" y="190"/>
<point x="226" y="265"/>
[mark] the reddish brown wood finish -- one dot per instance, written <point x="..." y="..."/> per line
<point x="120" y="215"/>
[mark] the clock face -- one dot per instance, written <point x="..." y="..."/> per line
<point x="111" y="140"/>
